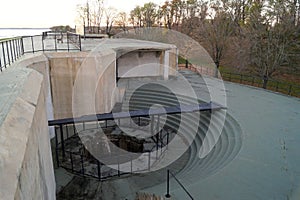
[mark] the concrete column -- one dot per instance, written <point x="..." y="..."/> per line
<point x="166" y="65"/>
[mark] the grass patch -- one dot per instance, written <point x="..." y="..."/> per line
<point x="181" y="60"/>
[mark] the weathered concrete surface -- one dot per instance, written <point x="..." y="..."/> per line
<point x="26" y="169"/>
<point x="28" y="99"/>
<point x="267" y="167"/>
<point x="135" y="64"/>
<point x="85" y="81"/>
<point x="63" y="68"/>
<point x="40" y="63"/>
<point x="138" y="53"/>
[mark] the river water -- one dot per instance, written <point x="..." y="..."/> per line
<point x="13" y="32"/>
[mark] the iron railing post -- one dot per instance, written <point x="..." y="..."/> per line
<point x="99" y="170"/>
<point x="130" y="163"/>
<point x="149" y="160"/>
<point x="62" y="140"/>
<point x="118" y="166"/>
<point x="79" y="42"/>
<point x="71" y="158"/>
<point x="3" y="51"/>
<point x="11" y="52"/>
<point x="74" y="128"/>
<point x="167" y="139"/>
<point x="43" y="48"/>
<point x="68" y="41"/>
<point x="290" y="89"/>
<point x="82" y="164"/>
<point x="7" y="51"/>
<point x="56" y="147"/>
<point x="22" y="46"/>
<point x="67" y="131"/>
<point x="55" y="42"/>
<point x="32" y="45"/>
<point x="15" y="49"/>
<point x="180" y="184"/>
<point x="12" y="45"/>
<point x="168" y="185"/>
<point x="18" y="48"/>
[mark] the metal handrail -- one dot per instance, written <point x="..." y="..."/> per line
<point x="273" y="85"/>
<point x="179" y="183"/>
<point x="10" y="50"/>
<point x="14" y="48"/>
<point x="100" y="176"/>
<point x="256" y="81"/>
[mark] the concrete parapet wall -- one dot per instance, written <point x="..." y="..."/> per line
<point x="63" y="68"/>
<point x="26" y="169"/>
<point x="88" y="80"/>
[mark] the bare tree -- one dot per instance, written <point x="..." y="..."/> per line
<point x="98" y="12"/>
<point x="216" y="35"/>
<point x="82" y="13"/>
<point x="110" y="16"/>
<point x="149" y="13"/>
<point x="136" y="16"/>
<point x="121" y="20"/>
<point x="270" y="34"/>
<point x="90" y="13"/>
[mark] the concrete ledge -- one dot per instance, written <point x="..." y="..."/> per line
<point x="26" y="169"/>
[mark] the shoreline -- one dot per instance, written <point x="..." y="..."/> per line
<point x="21" y="28"/>
<point x="6" y="33"/>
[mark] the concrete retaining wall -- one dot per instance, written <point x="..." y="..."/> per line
<point x="81" y="83"/>
<point x="26" y="169"/>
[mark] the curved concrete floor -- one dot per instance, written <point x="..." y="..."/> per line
<point x="268" y="164"/>
<point x="261" y="162"/>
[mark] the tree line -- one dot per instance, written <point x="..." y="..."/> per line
<point x="258" y="37"/>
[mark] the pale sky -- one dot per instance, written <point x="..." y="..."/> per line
<point x="47" y="13"/>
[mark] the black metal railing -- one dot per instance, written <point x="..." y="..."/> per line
<point x="81" y="163"/>
<point x="168" y="195"/>
<point x="277" y="86"/>
<point x="75" y="39"/>
<point x="52" y="41"/>
<point x="273" y="85"/>
<point x="12" y="49"/>
<point x="76" y="160"/>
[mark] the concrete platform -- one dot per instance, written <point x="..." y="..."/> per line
<point x="267" y="166"/>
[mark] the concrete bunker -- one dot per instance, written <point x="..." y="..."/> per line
<point x="48" y="95"/>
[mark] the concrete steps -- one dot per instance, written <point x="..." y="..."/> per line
<point x="195" y="168"/>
